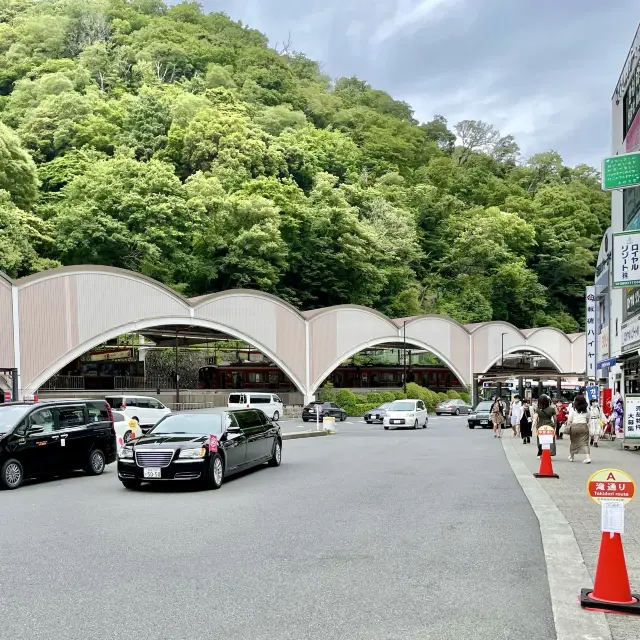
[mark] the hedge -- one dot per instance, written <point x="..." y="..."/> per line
<point x="358" y="410"/>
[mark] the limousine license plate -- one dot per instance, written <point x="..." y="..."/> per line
<point x="151" y="472"/>
<point x="484" y="422"/>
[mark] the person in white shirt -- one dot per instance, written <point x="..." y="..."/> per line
<point x="515" y="413"/>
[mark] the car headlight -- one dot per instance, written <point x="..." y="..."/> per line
<point x="193" y="453"/>
<point x="126" y="452"/>
<point x="411" y="415"/>
<point x="472" y="415"/>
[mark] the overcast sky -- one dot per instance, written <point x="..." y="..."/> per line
<point x="542" y="70"/>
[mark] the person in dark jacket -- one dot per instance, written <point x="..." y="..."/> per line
<point x="526" y="421"/>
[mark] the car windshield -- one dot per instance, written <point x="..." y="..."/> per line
<point x="484" y="406"/>
<point x="384" y="406"/>
<point x="11" y="415"/>
<point x="399" y="405"/>
<point x="196" y="423"/>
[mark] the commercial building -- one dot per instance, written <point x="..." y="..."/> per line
<point x="619" y="355"/>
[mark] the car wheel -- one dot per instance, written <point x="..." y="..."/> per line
<point x="214" y="474"/>
<point x="368" y="421"/>
<point x="131" y="484"/>
<point x="305" y="419"/>
<point x="12" y="474"/>
<point x="276" y="416"/>
<point x="470" y="426"/>
<point x="276" y="458"/>
<point x="386" y="428"/>
<point x="426" y="423"/>
<point x="96" y="462"/>
<point x="457" y="412"/>
<point x="415" y="424"/>
<point x="343" y="417"/>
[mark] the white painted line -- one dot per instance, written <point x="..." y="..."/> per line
<point x="566" y="569"/>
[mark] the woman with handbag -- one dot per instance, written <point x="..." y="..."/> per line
<point x="578" y="429"/>
<point x="526" y="422"/>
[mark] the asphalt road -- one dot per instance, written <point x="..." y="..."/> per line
<point x="365" y="535"/>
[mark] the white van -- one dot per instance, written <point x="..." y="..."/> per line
<point x="146" y="411"/>
<point x="269" y="403"/>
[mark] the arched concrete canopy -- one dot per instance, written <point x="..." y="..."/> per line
<point x="49" y="318"/>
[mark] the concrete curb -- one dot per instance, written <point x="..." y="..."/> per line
<point x="566" y="569"/>
<point x="305" y="434"/>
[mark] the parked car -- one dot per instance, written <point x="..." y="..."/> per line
<point x="481" y="416"/>
<point x="146" y="411"/>
<point x="126" y="429"/>
<point x="452" y="407"/>
<point x="318" y="410"/>
<point x="269" y="403"/>
<point x="377" y="414"/>
<point x="54" y="436"/>
<point x="406" y="413"/>
<point x="206" y="446"/>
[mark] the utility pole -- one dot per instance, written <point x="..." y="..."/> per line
<point x="404" y="375"/>
<point x="177" y="374"/>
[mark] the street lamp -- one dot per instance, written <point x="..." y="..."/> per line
<point x="404" y="366"/>
<point x="502" y="349"/>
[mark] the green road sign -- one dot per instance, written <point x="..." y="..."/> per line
<point x="622" y="171"/>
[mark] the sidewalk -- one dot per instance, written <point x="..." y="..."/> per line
<point x="570" y="496"/>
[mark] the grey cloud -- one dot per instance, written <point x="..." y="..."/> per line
<point x="541" y="70"/>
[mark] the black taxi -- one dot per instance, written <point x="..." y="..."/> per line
<point x="50" y="437"/>
<point x="204" y="446"/>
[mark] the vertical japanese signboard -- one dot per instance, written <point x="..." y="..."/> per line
<point x="631" y="416"/>
<point x="590" y="331"/>
<point x="626" y="259"/>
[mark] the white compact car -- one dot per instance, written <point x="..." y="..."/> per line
<point x="269" y="403"/>
<point x="406" y="413"/>
<point x="146" y="411"/>
<point x="126" y="429"/>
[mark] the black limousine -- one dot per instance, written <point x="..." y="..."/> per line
<point x="203" y="446"/>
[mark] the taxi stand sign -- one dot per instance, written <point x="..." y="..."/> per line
<point x="611" y="592"/>
<point x="545" y="436"/>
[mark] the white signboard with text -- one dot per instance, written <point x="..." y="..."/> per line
<point x="630" y="333"/>
<point x="626" y="259"/>
<point x="590" y="331"/>
<point x="631" y="416"/>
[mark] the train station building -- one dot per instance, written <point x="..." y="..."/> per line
<point x="53" y="317"/>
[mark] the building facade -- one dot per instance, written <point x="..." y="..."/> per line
<point x="621" y="368"/>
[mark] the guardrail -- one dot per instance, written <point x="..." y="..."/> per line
<point x="63" y="383"/>
<point x="291" y="411"/>
<point x="125" y="383"/>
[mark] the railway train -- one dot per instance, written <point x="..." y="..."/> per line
<point x="264" y="377"/>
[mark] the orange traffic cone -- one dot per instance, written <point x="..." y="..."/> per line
<point x="546" y="468"/>
<point x="611" y="591"/>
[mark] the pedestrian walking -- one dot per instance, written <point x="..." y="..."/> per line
<point x="544" y="416"/>
<point x="526" y="422"/>
<point x="515" y="413"/>
<point x="596" y="422"/>
<point x="561" y="418"/>
<point x="578" y="428"/>
<point x="497" y="417"/>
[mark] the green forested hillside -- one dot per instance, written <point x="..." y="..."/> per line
<point x="180" y="145"/>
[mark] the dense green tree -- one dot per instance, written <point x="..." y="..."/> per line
<point x="18" y="173"/>
<point x="164" y="139"/>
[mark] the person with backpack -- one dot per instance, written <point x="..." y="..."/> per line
<point x="545" y="416"/>
<point x="561" y="418"/>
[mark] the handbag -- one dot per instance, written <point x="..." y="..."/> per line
<point x="566" y="429"/>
